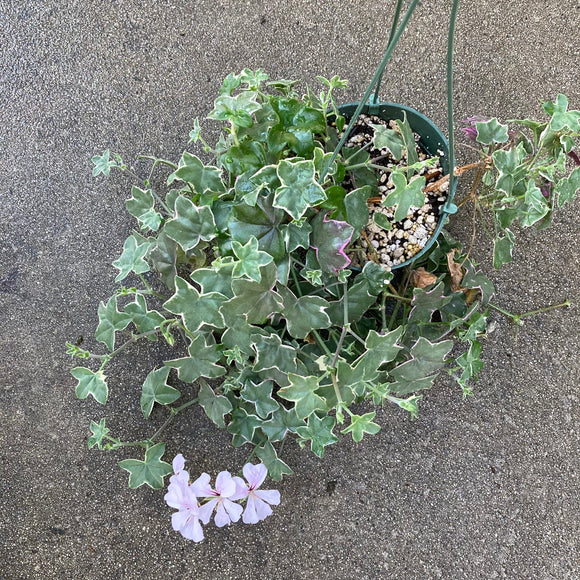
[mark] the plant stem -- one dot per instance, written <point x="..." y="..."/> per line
<point x="173" y="413"/>
<point x="517" y="317"/>
<point x="450" y="39"/>
<point x="344" y="328"/>
<point x="150" y="290"/>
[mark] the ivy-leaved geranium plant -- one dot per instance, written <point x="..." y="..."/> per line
<point x="243" y="265"/>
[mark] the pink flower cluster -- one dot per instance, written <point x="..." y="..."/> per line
<point x="196" y="501"/>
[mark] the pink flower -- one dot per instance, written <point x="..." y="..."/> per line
<point x="470" y="131"/>
<point x="258" y="506"/>
<point x="228" y="489"/>
<point x="181" y="496"/>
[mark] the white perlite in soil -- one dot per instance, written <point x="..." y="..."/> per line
<point x="406" y="237"/>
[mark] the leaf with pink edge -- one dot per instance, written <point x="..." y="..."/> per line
<point x="329" y="240"/>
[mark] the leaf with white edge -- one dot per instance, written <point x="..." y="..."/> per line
<point x="405" y="195"/>
<point x="237" y="110"/>
<point x="218" y="278"/>
<point x="156" y="390"/>
<point x="502" y="249"/>
<point x="426" y="302"/>
<point x="243" y="427"/>
<point x="471" y="364"/>
<point x="561" y="117"/>
<point x="385" y="138"/>
<point x="318" y="432"/>
<point x="361" y="424"/>
<point x="304" y="314"/>
<point x="260" y="396"/>
<point x="510" y="172"/>
<point x="409" y="404"/>
<point x="275" y="466"/>
<point x="274" y="357"/>
<point x="141" y="205"/>
<point x="190" y="224"/>
<point x="144" y="320"/>
<point x="476" y="279"/>
<point x="535" y="205"/>
<point x="302" y="393"/>
<point x="357" y="209"/>
<point x="203" y="179"/>
<point x="329" y="240"/>
<point x="110" y="320"/>
<point x="241" y="334"/>
<point x="196" y="309"/>
<point x="250" y="259"/>
<point x="281" y="422"/>
<point x="132" y="259"/>
<point x="427" y="358"/>
<point x="491" y="131"/>
<point x="376" y="277"/>
<point x="90" y="383"/>
<point x="201" y="361"/>
<point x="99" y="431"/>
<point x="163" y="257"/>
<point x="215" y="406"/>
<point x="195" y="133"/>
<point x="299" y="189"/>
<point x="321" y="160"/>
<point x="380" y="349"/>
<point x="257" y="300"/>
<point x="296" y="235"/>
<point x="567" y="187"/>
<point x="103" y="164"/>
<point x="409" y="140"/>
<point x="151" y="471"/>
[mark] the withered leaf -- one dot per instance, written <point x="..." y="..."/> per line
<point x="455" y="270"/>
<point x="420" y="278"/>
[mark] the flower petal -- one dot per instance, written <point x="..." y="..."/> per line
<point x="206" y="510"/>
<point x="224" y="484"/>
<point x="242" y="490"/>
<point x="178" y="463"/>
<point x="234" y="509"/>
<point x="272" y="496"/>
<point x="221" y="517"/>
<point x="250" y="516"/>
<point x="201" y="486"/>
<point x="263" y="510"/>
<point x="192" y="530"/>
<point x="255" y="474"/>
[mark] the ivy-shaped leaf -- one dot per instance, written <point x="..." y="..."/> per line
<point x="236" y="109"/>
<point x="196" y="309"/>
<point x="385" y="138"/>
<point x="144" y="320"/>
<point x="409" y="140"/>
<point x="502" y="249"/>
<point x="568" y="187"/>
<point x="280" y="423"/>
<point x="110" y="320"/>
<point x="201" y="361"/>
<point x="535" y="205"/>
<point x="132" y="259"/>
<point x="561" y="117"/>
<point x="203" y="179"/>
<point x="299" y="189"/>
<point x="156" y="390"/>
<point x="243" y="427"/>
<point x="275" y="466"/>
<point x="190" y="224"/>
<point x="379" y="349"/>
<point x="304" y="314"/>
<point x="260" y="396"/>
<point x="318" y="432"/>
<point x="250" y="259"/>
<point x="357" y="208"/>
<point x="151" y="471"/>
<point x="426" y="302"/>
<point x="215" y="406"/>
<point x="302" y="393"/>
<point x="90" y="383"/>
<point x="329" y="240"/>
<point x="419" y="372"/>
<point x="405" y="195"/>
<point x="99" y="431"/>
<point x="471" y="364"/>
<point x="103" y="164"/>
<point x="241" y="334"/>
<point x="296" y="235"/>
<point x="491" y="131"/>
<point x="361" y="424"/>
<point x="510" y="172"/>
<point x="141" y="205"/>
<point x="164" y="258"/>
<point x="274" y="357"/>
<point x="218" y="278"/>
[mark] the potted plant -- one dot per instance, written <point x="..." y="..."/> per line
<point x="284" y="314"/>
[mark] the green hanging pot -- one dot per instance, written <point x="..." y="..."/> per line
<point x="431" y="140"/>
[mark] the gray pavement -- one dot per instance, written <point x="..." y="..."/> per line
<point x="481" y="489"/>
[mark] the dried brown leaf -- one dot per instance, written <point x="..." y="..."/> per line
<point x="456" y="272"/>
<point x="420" y="278"/>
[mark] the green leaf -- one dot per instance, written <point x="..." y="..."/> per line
<point x="409" y="140"/>
<point x="491" y="131"/>
<point x="218" y="278"/>
<point x="567" y="187"/>
<point x="280" y="423"/>
<point x="274" y="360"/>
<point x="248" y="156"/>
<point x="90" y="383"/>
<point x="380" y="349"/>
<point x="260" y="396"/>
<point x="110" y="320"/>
<point x="141" y="205"/>
<point x="99" y="431"/>
<point x="203" y="179"/>
<point x="132" y="259"/>
<point x="304" y="314"/>
<point x="243" y="427"/>
<point x="151" y="471"/>
<point x="241" y="334"/>
<point x="329" y="240"/>
<point x="156" y="390"/>
<point x="426" y="302"/>
<point x="215" y="406"/>
<point x="201" y="361"/>
<point x="471" y="364"/>
<point x="318" y="432"/>
<point x="409" y="404"/>
<point x="385" y="138"/>
<point x="361" y="424"/>
<point x="510" y="172"/>
<point x="296" y="235"/>
<point x="275" y="466"/>
<point x="357" y="209"/>
<point x="299" y="189"/>
<point x="164" y="258"/>
<point x="405" y="195"/>
<point x="196" y="309"/>
<point x="250" y="259"/>
<point x="195" y="133"/>
<point x="144" y="320"/>
<point x="190" y="224"/>
<point x="302" y="392"/>
<point x="502" y="249"/>
<point x="561" y="117"/>
<point x="419" y="371"/>
<point x="535" y="205"/>
<point x="238" y="110"/>
<point x="103" y="164"/>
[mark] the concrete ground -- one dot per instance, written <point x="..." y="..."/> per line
<point x="481" y="489"/>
